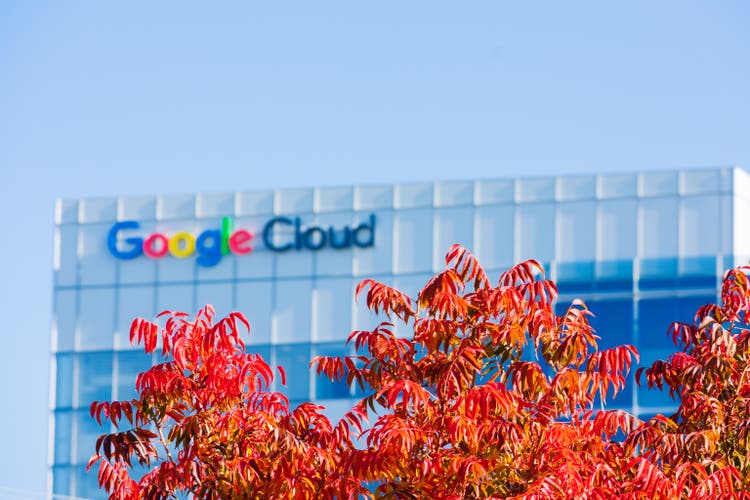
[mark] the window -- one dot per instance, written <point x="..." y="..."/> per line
<point x="332" y="311"/>
<point x="129" y="365"/>
<point x="613" y="321"/>
<point x="61" y="480"/>
<point x="255" y="300"/>
<point x="324" y="387"/>
<point x="96" y="323"/>
<point x="94" y="378"/>
<point x="452" y="225"/>
<point x="654" y="318"/>
<point x="64" y="381"/>
<point x="88" y="432"/>
<point x="413" y="240"/>
<point x="63" y="426"/>
<point x="295" y="359"/>
<point x="292" y="312"/>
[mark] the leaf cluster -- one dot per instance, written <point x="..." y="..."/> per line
<point x="492" y="395"/>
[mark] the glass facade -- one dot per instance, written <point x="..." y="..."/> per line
<point x="641" y="249"/>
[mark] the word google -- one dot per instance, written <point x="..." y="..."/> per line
<point x="280" y="234"/>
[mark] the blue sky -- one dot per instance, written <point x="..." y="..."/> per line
<point x="99" y="99"/>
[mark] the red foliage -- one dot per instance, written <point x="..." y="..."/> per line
<point x="491" y="397"/>
<point x="704" y="447"/>
<point x="206" y="424"/>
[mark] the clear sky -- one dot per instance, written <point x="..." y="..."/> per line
<point x="105" y="98"/>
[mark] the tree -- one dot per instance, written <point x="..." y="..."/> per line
<point x="492" y="395"/>
<point x="703" y="449"/>
<point x="207" y="425"/>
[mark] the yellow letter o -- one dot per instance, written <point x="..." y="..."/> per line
<point x="182" y="245"/>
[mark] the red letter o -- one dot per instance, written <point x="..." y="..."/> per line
<point x="156" y="250"/>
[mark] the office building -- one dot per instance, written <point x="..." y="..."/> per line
<point x="642" y="249"/>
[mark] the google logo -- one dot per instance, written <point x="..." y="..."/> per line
<point x="280" y="234"/>
<point x="210" y="245"/>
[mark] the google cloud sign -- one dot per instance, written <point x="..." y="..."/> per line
<point x="280" y="234"/>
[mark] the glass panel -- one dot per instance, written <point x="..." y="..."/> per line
<point x="98" y="209"/>
<point x="175" y="206"/>
<point x="576" y="231"/>
<point x="332" y="312"/>
<point x="700" y="231"/>
<point x="454" y="193"/>
<point x="94" y="378"/>
<point x="657" y="183"/>
<point x="332" y="199"/>
<point x="535" y="189"/>
<point x="264" y="351"/>
<point x="617" y="185"/>
<point x="616" y="230"/>
<point x="413" y="195"/>
<point x="324" y="387"/>
<point x="96" y="321"/>
<point x="613" y="321"/>
<point x="175" y="298"/>
<point x="88" y="432"/>
<point x="132" y="303"/>
<point x="452" y="225"/>
<point x="136" y="207"/>
<point x="65" y="319"/>
<point x="295" y="359"/>
<point x="658" y="221"/>
<point x="294" y="263"/>
<point x="254" y="202"/>
<point x="494" y="230"/>
<point x="411" y="285"/>
<point x="490" y="192"/>
<point x="214" y="204"/>
<point x="63" y="428"/>
<point x="697" y="272"/>
<point x="129" y="365"/>
<point x="255" y="301"/>
<point x="576" y="187"/>
<point x="330" y="261"/>
<point x="66" y="255"/>
<point x="141" y="270"/>
<point x="373" y="197"/>
<point x="362" y="317"/>
<point x="697" y="266"/>
<point x="657" y="273"/>
<point x="87" y="484"/>
<point x="688" y="306"/>
<point x="259" y="264"/>
<point x="294" y="200"/>
<point x="97" y="266"/>
<point x="623" y="399"/>
<point x="535" y="232"/>
<point x="64" y="381"/>
<point x="66" y="211"/>
<point x="378" y="258"/>
<point x="413" y="240"/>
<point x="291" y="320"/>
<point x="61" y="480"/>
<point x="614" y="275"/>
<point x="701" y="180"/>
<point x="219" y="295"/>
<point x="575" y="277"/>
<point x="654" y="318"/>
<point x="654" y="398"/>
<point x="223" y="269"/>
